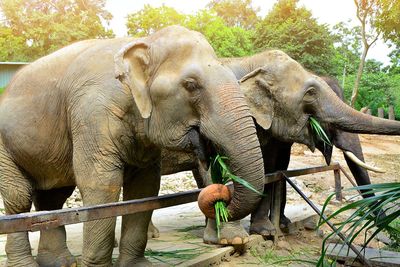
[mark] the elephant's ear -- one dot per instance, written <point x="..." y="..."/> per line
<point x="131" y="68"/>
<point x="256" y="87"/>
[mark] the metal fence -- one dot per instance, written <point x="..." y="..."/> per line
<point x="41" y="220"/>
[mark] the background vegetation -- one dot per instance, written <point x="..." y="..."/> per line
<point x="30" y="29"/>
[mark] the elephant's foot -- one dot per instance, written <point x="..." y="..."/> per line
<point x="263" y="227"/>
<point x="138" y="262"/>
<point x="56" y="258"/>
<point x="25" y="261"/>
<point x="153" y="232"/>
<point x="284" y="222"/>
<point x="231" y="233"/>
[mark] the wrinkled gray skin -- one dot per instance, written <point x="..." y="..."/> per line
<point x="343" y="140"/>
<point x="66" y="121"/>
<point x="282" y="96"/>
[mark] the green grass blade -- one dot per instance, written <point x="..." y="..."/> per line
<point x="319" y="131"/>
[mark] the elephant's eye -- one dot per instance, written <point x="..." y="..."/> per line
<point x="310" y="95"/>
<point x="191" y="85"/>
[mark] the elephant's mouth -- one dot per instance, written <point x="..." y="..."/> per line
<point x="203" y="148"/>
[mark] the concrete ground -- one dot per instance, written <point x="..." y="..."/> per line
<point x="180" y="242"/>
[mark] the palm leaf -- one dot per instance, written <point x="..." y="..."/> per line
<point x="363" y="219"/>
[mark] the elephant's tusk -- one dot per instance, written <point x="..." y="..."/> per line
<point x="361" y="163"/>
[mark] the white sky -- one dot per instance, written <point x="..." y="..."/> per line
<point x="325" y="11"/>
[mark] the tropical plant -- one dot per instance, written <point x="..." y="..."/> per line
<point x="367" y="218"/>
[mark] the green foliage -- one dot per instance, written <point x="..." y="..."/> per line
<point x="239" y="13"/>
<point x="150" y="19"/>
<point x="12" y="47"/>
<point x="388" y="20"/>
<point x="394" y="233"/>
<point x="227" y="41"/>
<point x="363" y="219"/>
<point x="394" y="67"/>
<point x="2" y="90"/>
<point x="45" y="26"/>
<point x="377" y="89"/>
<point x="347" y="43"/>
<point x="294" y="30"/>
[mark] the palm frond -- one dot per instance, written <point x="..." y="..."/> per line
<point x="363" y="220"/>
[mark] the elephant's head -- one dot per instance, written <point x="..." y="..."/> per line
<point x="188" y="100"/>
<point x="282" y="96"/>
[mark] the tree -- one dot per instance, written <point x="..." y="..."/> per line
<point x="12" y="48"/>
<point x="367" y="11"/>
<point x="49" y="25"/>
<point x="296" y="32"/>
<point x="150" y="19"/>
<point x="226" y="41"/>
<point x="347" y="47"/>
<point x="239" y="13"/>
<point x="376" y="89"/>
<point x="394" y="67"/>
<point x="388" y="20"/>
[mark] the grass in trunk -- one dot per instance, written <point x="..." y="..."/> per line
<point x="220" y="174"/>
<point x="319" y="131"/>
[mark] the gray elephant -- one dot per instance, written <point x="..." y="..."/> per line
<point x="66" y="121"/>
<point x="282" y="96"/>
<point x="350" y="145"/>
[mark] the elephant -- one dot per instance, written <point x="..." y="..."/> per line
<point x="282" y="96"/>
<point x="350" y="145"/>
<point x="96" y="115"/>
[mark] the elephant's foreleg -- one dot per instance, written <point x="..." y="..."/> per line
<point x="99" y="179"/>
<point x="260" y="222"/>
<point x="138" y="183"/>
<point x="53" y="250"/>
<point x="282" y="163"/>
<point x="16" y="191"/>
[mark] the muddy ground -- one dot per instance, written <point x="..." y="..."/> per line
<point x="380" y="151"/>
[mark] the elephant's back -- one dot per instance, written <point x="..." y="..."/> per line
<point x="34" y="120"/>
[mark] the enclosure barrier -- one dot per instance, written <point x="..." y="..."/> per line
<point x="42" y="220"/>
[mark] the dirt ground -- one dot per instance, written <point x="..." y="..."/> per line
<point x="380" y="151"/>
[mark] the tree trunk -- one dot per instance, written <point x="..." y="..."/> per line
<point x="359" y="74"/>
<point x="391" y="113"/>
<point x="381" y="113"/>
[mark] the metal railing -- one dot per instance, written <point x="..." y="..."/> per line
<point x="41" y="220"/>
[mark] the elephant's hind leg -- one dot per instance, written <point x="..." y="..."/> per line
<point x="16" y="191"/>
<point x="53" y="250"/>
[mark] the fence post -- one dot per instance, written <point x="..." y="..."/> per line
<point x="338" y="185"/>
<point x="391" y="113"/>
<point x="276" y="206"/>
<point x="381" y="113"/>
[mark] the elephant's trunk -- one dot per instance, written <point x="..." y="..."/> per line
<point x="235" y="136"/>
<point x="343" y="117"/>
